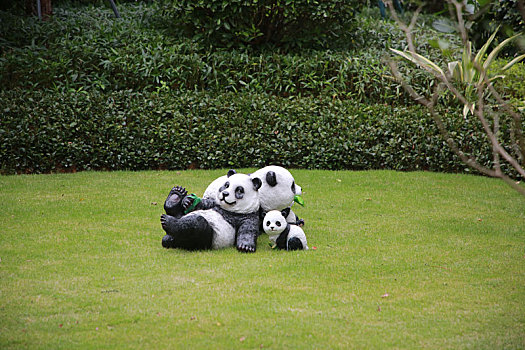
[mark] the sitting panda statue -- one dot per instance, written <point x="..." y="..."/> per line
<point x="233" y="221"/>
<point x="278" y="191"/>
<point x="284" y="235"/>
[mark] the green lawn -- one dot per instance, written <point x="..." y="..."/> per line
<point x="403" y="260"/>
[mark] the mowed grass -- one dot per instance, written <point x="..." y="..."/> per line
<point x="403" y="260"/>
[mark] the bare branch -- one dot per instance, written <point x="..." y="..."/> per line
<point x="469" y="160"/>
<point x="515" y="185"/>
<point x="461" y="22"/>
<point x="415" y="96"/>
<point x="406" y="29"/>
<point x="517" y="128"/>
<point x="492" y="134"/>
<point x="481" y="87"/>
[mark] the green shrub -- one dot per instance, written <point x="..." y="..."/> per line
<point x="105" y="58"/>
<point x="90" y="49"/>
<point x="47" y="131"/>
<point x="504" y="14"/>
<point x="182" y="67"/>
<point x="511" y="85"/>
<point x="280" y="22"/>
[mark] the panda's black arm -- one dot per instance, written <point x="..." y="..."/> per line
<point x="203" y="204"/>
<point x="206" y="203"/>
<point x="247" y="234"/>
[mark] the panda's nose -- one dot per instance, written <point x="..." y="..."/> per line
<point x="272" y="228"/>
<point x="225" y="194"/>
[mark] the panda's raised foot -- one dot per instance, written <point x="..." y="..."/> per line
<point x="172" y="205"/>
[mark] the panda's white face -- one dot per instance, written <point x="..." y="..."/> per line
<point x="274" y="223"/>
<point x="239" y="194"/>
<point x="278" y="189"/>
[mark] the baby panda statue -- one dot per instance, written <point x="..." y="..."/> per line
<point x="278" y="191"/>
<point x="234" y="220"/>
<point x="284" y="235"/>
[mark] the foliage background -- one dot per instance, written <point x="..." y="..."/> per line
<point x="87" y="91"/>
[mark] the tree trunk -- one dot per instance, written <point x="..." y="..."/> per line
<point x="47" y="11"/>
<point x="45" y="8"/>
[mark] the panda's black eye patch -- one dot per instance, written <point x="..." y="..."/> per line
<point x="239" y="192"/>
<point x="225" y="186"/>
<point x="278" y="223"/>
<point x="268" y="223"/>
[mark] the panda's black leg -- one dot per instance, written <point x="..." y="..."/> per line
<point x="294" y="243"/>
<point x="168" y="222"/>
<point x="190" y="232"/>
<point x="173" y="204"/>
<point x="168" y="242"/>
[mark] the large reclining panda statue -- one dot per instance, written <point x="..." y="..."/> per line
<point x="231" y="218"/>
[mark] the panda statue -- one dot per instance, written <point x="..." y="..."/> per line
<point x="232" y="221"/>
<point x="278" y="191"/>
<point x="283" y="234"/>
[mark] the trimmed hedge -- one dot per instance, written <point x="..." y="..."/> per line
<point x="286" y="23"/>
<point x="50" y="132"/>
<point x="180" y="68"/>
<point x="89" y="49"/>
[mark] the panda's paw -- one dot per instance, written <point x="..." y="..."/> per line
<point x="300" y="222"/>
<point x="172" y="206"/>
<point x="187" y="202"/>
<point x="246" y="248"/>
<point x="165" y="221"/>
<point x="178" y="191"/>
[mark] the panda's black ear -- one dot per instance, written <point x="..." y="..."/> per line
<point x="257" y="183"/>
<point x="231" y="172"/>
<point x="271" y="178"/>
<point x="285" y="212"/>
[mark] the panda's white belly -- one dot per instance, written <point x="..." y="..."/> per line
<point x="224" y="233"/>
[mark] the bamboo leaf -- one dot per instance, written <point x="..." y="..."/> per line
<point x="513" y="62"/>
<point x="484" y="48"/>
<point x="444" y="25"/>
<point x="467" y="109"/>
<point x="496" y="77"/>
<point x="497" y="49"/>
<point x="419" y="60"/>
